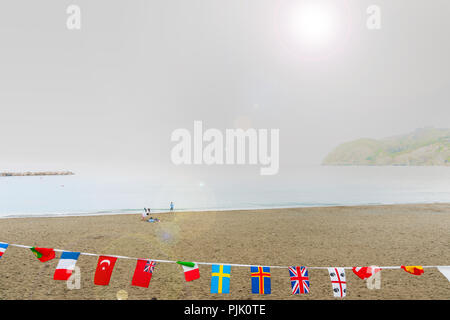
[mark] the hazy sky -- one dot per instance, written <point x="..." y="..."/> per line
<point x="107" y="97"/>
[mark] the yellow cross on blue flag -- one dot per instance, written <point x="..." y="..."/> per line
<point x="220" y="280"/>
<point x="260" y="280"/>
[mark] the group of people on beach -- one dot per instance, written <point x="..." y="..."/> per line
<point x="146" y="214"/>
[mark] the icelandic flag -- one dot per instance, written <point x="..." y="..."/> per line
<point x="3" y="247"/>
<point x="260" y="280"/>
<point x="66" y="265"/>
<point x="220" y="280"/>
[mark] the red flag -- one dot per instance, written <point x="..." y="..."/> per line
<point x="143" y="273"/>
<point x="43" y="254"/>
<point x="365" y="272"/>
<point x="104" y="270"/>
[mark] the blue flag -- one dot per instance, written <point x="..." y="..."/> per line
<point x="220" y="280"/>
<point x="260" y="280"/>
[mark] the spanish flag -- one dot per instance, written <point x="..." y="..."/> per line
<point x="415" y="270"/>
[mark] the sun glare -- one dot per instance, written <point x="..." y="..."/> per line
<point x="312" y="24"/>
<point x="312" y="28"/>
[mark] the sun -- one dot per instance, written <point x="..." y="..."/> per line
<point x="312" y="27"/>
<point x="312" y="24"/>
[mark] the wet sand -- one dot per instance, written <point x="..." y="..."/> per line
<point x="387" y="235"/>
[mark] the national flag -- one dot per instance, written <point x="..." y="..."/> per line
<point x="3" y="247"/>
<point x="104" y="270"/>
<point x="260" y="280"/>
<point x="365" y="272"/>
<point x="143" y="273"/>
<point x="220" y="280"/>
<point x="66" y="265"/>
<point x="191" y="271"/>
<point x="299" y="279"/>
<point x="43" y="254"/>
<point x="445" y="271"/>
<point x="337" y="276"/>
<point x="415" y="270"/>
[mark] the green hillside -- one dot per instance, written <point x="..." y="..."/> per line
<point x="423" y="147"/>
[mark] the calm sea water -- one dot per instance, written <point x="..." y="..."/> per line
<point x="307" y="186"/>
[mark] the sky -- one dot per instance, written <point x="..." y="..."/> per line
<point x="107" y="97"/>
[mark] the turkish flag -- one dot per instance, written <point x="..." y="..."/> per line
<point x="143" y="273"/>
<point x="104" y="270"/>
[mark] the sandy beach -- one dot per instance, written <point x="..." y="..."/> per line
<point x="386" y="235"/>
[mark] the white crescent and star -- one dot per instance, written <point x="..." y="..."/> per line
<point x="107" y="261"/>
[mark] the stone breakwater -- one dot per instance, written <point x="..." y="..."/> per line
<point x="43" y="173"/>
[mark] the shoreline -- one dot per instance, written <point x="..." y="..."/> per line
<point x="161" y="211"/>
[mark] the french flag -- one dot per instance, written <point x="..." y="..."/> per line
<point x="66" y="265"/>
<point x="3" y="247"/>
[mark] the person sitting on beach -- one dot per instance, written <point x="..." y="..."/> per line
<point x="153" y="220"/>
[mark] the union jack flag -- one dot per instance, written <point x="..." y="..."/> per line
<point x="299" y="279"/>
<point x="149" y="266"/>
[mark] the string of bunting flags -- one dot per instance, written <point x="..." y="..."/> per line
<point x="220" y="272"/>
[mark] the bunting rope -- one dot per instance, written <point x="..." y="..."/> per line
<point x="211" y="263"/>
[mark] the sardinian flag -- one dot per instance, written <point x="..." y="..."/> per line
<point x="337" y="276"/>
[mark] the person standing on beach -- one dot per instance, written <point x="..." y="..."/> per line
<point x="145" y="213"/>
<point x="171" y="206"/>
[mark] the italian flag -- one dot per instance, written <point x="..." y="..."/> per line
<point x="191" y="271"/>
<point x="43" y="254"/>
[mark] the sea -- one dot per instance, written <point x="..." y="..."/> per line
<point x="308" y="186"/>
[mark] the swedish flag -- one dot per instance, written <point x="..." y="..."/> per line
<point x="220" y="280"/>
